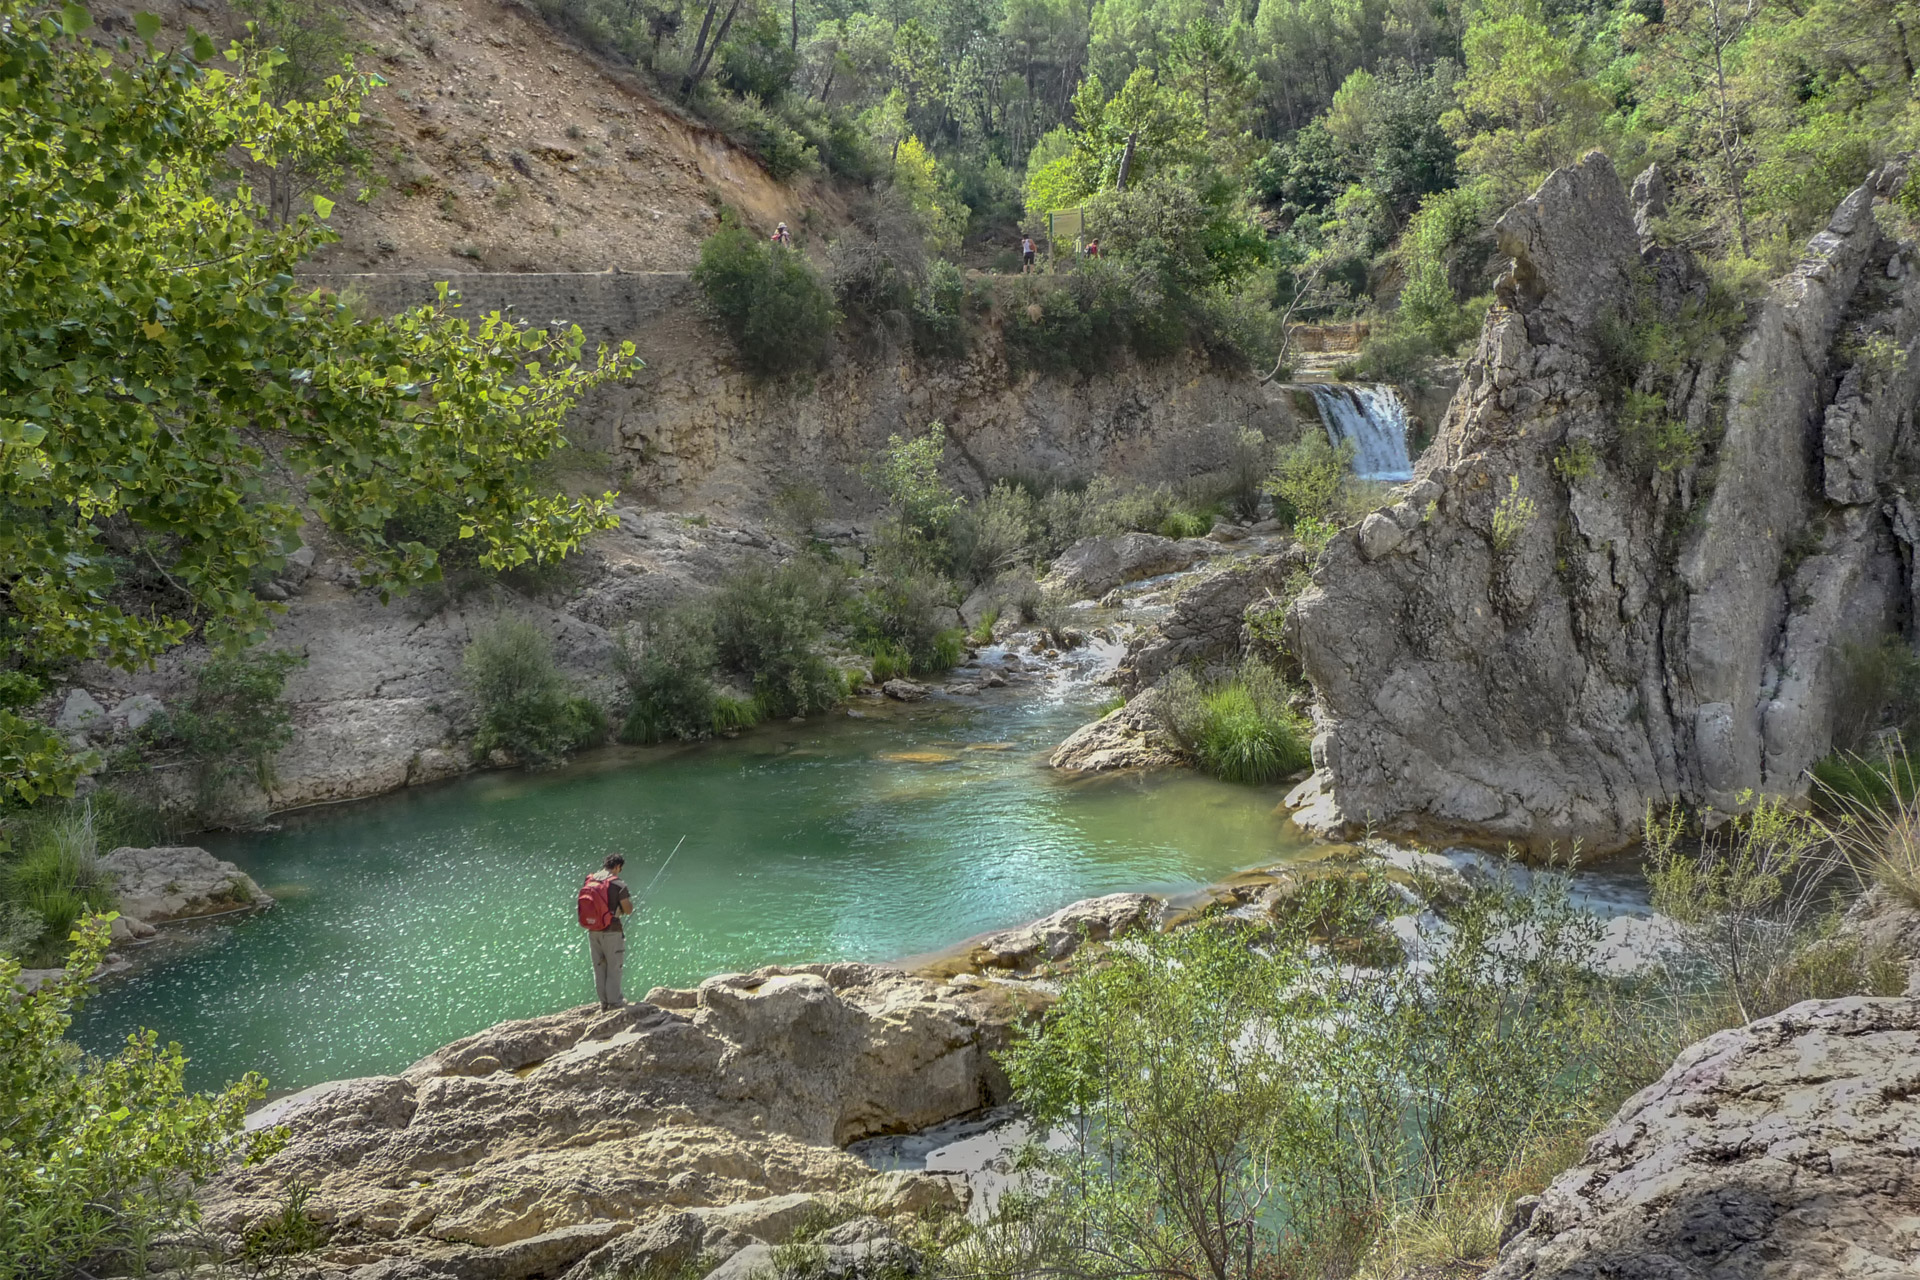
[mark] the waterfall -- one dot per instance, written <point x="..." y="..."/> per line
<point x="1373" y="420"/>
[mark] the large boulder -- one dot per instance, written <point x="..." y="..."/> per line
<point x="1783" y="1148"/>
<point x="174" y="883"/>
<point x="1128" y="737"/>
<point x="1556" y="623"/>
<point x="581" y="1117"/>
<point x="1092" y="567"/>
<point x="1059" y="935"/>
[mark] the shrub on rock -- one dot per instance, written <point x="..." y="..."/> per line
<point x="526" y="707"/>
<point x="768" y="299"/>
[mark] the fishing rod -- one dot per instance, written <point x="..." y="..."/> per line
<point x="656" y="875"/>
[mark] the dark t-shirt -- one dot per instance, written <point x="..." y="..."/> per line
<point x="617" y="894"/>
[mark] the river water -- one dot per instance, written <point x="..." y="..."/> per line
<point x="411" y="920"/>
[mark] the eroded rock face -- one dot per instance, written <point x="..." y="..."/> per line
<point x="1556" y="623"/>
<point x="1787" y="1147"/>
<point x="580" y="1117"/>
<point x="697" y="430"/>
<point x="1207" y="618"/>
<point x="380" y="703"/>
<point x="1092" y="567"/>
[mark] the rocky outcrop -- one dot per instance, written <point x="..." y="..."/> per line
<point x="582" y="1121"/>
<point x="1128" y="737"/>
<point x="1092" y="567"/>
<point x="1206" y="620"/>
<point x="379" y="703"/>
<point x="157" y="885"/>
<point x="1623" y="573"/>
<point x="1058" y="936"/>
<point x="1783" y="1148"/>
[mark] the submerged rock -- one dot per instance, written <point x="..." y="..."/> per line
<point x="1128" y="737"/>
<point x="1782" y="1148"/>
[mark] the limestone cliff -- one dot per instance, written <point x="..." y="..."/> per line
<point x="1626" y="566"/>
<point x="695" y="431"/>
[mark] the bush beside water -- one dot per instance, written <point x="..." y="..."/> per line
<point x="526" y="708"/>
<point x="1241" y="728"/>
<point x="1385" y="1117"/>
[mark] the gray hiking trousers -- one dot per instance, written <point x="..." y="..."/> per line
<point x="609" y="950"/>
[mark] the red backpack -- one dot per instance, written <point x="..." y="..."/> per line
<point x="596" y="913"/>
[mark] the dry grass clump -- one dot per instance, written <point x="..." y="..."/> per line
<point x="1881" y="840"/>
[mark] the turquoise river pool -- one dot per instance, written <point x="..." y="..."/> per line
<point x="407" y="921"/>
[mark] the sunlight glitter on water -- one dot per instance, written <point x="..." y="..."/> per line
<point x="411" y="920"/>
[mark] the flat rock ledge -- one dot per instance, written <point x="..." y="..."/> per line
<point x="613" y="1141"/>
<point x="1789" y="1147"/>
<point x="1056" y="937"/>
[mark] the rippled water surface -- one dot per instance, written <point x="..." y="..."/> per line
<point x="408" y="921"/>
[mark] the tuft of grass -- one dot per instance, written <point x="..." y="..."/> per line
<point x="1185" y="524"/>
<point x="1241" y="729"/>
<point x="1242" y="739"/>
<point x="983" y="634"/>
<point x="1460" y="1226"/>
<point x="948" y="647"/>
<point x="1877" y="826"/>
<point x="55" y="881"/>
<point x="285" y="1234"/>
<point x="732" y="714"/>
<point x="889" y="662"/>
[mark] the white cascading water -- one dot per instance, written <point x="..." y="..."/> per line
<point x="1370" y="418"/>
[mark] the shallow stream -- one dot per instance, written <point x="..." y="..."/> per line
<point x="411" y="920"/>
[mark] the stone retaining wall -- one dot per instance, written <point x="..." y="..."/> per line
<point x="607" y="305"/>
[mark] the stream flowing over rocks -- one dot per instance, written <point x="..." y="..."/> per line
<point x="1551" y="626"/>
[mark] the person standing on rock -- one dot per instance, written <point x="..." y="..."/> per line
<point x="603" y="900"/>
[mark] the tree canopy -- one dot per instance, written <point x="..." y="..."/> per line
<point x="174" y="403"/>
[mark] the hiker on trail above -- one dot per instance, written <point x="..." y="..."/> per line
<point x="1026" y="254"/>
<point x="603" y="900"/>
<point x="781" y="236"/>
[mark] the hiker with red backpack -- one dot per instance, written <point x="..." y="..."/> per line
<point x="603" y="900"/>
